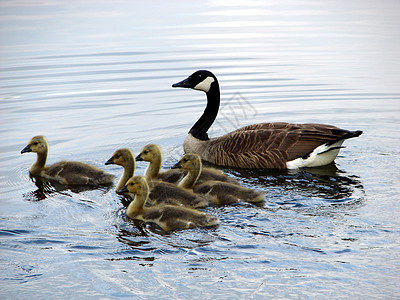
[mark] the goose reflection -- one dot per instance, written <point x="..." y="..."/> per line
<point x="296" y="187"/>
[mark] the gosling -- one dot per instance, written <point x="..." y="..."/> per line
<point x="64" y="172"/>
<point x="168" y="217"/>
<point x="220" y="193"/>
<point x="160" y="192"/>
<point x="152" y="153"/>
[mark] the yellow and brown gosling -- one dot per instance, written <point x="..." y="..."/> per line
<point x="168" y="217"/>
<point x="152" y="153"/>
<point x="123" y="157"/>
<point x="219" y="192"/>
<point x="160" y="192"/>
<point x="64" y="172"/>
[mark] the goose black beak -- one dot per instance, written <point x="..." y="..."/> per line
<point x="183" y="84"/>
<point x="139" y="158"/>
<point x="177" y="165"/>
<point x="110" y="161"/>
<point x="123" y="190"/>
<point x="26" y="149"/>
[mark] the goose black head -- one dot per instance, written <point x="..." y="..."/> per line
<point x="201" y="80"/>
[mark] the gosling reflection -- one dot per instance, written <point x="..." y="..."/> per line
<point x="47" y="188"/>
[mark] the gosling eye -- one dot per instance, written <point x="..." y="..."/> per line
<point x="35" y="143"/>
<point x="185" y="160"/>
<point x="117" y="156"/>
<point x="145" y="152"/>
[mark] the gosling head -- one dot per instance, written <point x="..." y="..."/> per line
<point x="37" y="144"/>
<point x="121" y="157"/>
<point x="149" y="153"/>
<point x="189" y="161"/>
<point x="201" y="80"/>
<point x="136" y="185"/>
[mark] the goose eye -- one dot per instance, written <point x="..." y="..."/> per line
<point x="117" y="156"/>
<point x="145" y="152"/>
<point x="185" y="160"/>
<point x="35" y="143"/>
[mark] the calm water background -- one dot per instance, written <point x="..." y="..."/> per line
<point x="94" y="76"/>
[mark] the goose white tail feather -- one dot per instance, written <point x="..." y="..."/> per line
<point x="321" y="156"/>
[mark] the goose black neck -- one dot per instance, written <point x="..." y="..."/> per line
<point x="200" y="128"/>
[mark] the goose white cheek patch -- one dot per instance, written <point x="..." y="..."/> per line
<point x="205" y="85"/>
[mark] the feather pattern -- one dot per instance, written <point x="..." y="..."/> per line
<point x="270" y="145"/>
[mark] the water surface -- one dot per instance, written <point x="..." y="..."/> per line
<point x="97" y="76"/>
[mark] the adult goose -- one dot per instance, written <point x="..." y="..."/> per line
<point x="265" y="145"/>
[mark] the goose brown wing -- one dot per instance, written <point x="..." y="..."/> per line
<point x="257" y="148"/>
<point x="271" y="145"/>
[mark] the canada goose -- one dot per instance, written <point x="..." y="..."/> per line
<point x="152" y="153"/>
<point x="219" y="192"/>
<point x="266" y="145"/>
<point x="160" y="192"/>
<point x="64" y="172"/>
<point x="168" y="217"/>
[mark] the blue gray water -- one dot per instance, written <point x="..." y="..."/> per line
<point x="94" y="76"/>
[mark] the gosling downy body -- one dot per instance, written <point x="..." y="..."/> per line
<point x="218" y="192"/>
<point x="266" y="145"/>
<point x="160" y="192"/>
<point x="168" y="217"/>
<point x="64" y="172"/>
<point x="152" y="153"/>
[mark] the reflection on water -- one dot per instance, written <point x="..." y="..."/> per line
<point x="327" y="183"/>
<point x="46" y="189"/>
<point x="96" y="77"/>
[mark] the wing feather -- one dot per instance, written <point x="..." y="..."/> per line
<point x="271" y="145"/>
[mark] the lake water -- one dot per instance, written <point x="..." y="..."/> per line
<point x="95" y="76"/>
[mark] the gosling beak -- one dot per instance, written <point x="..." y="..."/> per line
<point x="177" y="165"/>
<point x="110" y="161"/>
<point x="26" y="149"/>
<point x="139" y="158"/>
<point x="124" y="190"/>
<point x="183" y="84"/>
